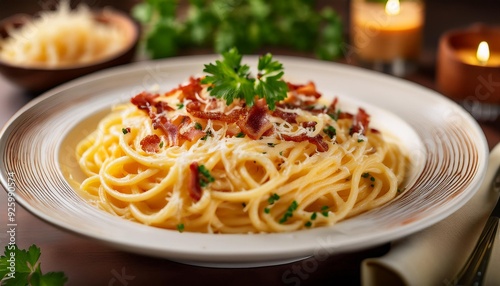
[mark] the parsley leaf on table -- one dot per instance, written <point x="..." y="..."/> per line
<point x="230" y="80"/>
<point x="27" y="270"/>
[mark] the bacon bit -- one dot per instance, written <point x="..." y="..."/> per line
<point x="168" y="128"/>
<point x="212" y="104"/>
<point x="321" y="145"/>
<point x="333" y="106"/>
<point x="192" y="89"/>
<point x="194" y="182"/>
<point x="360" y="122"/>
<point x="192" y="133"/>
<point x="151" y="143"/>
<point x="189" y="90"/>
<point x="269" y="132"/>
<point x="256" y="122"/>
<point x="287" y="104"/>
<point x="345" y="115"/>
<point x="308" y="89"/>
<point x="194" y="108"/>
<point x="309" y="124"/>
<point x="162" y="106"/>
<point x="144" y="101"/>
<point x="290" y="117"/>
<point x="317" y="140"/>
<point x="373" y="130"/>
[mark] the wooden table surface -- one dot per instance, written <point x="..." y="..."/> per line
<point x="89" y="262"/>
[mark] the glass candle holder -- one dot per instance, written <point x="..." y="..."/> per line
<point x="468" y="69"/>
<point x="386" y="35"/>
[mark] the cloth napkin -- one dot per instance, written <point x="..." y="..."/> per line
<point x="435" y="255"/>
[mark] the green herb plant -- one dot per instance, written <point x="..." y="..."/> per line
<point x="231" y="80"/>
<point x="171" y="26"/>
<point x="19" y="267"/>
<point x="205" y="176"/>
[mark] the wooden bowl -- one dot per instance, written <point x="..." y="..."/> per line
<point x="39" y="79"/>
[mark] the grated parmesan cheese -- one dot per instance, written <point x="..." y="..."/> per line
<point x="60" y="38"/>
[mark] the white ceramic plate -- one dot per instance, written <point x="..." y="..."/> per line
<point x="447" y="148"/>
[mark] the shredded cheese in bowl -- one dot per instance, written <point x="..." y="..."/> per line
<point x="62" y="38"/>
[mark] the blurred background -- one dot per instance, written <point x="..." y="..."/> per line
<point x="440" y="15"/>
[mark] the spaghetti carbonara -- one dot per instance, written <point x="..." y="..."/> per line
<point x="185" y="160"/>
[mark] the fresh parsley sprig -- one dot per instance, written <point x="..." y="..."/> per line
<point x="269" y="84"/>
<point x="289" y="212"/>
<point x="231" y="80"/>
<point x="22" y="267"/>
<point x="205" y="176"/>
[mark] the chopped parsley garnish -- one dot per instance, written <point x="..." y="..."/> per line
<point x="289" y="212"/>
<point x="240" y="135"/>
<point x="330" y="131"/>
<point x="180" y="227"/>
<point x="360" y="140"/>
<point x="198" y="126"/>
<point x="324" y="211"/>
<point x="267" y="210"/>
<point x="271" y="144"/>
<point x="180" y="105"/>
<point x="126" y="130"/>
<point x="367" y="175"/>
<point x="281" y="153"/>
<point x="230" y="80"/>
<point x="335" y="116"/>
<point x="208" y="133"/>
<point x="27" y="270"/>
<point x="308" y="224"/>
<point x="205" y="177"/>
<point x="161" y="144"/>
<point x="273" y="198"/>
<point x="314" y="215"/>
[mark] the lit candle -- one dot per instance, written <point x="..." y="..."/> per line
<point x="483" y="53"/>
<point x="480" y="56"/>
<point x="386" y="31"/>
<point x="468" y="67"/>
<point x="392" y="7"/>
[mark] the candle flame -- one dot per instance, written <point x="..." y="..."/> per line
<point x="392" y="7"/>
<point x="483" y="52"/>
